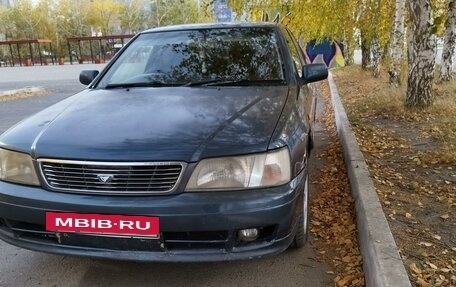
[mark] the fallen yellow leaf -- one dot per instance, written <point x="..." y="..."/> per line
<point x="422" y="283"/>
<point x="344" y="281"/>
<point x="432" y="265"/>
<point x="415" y="268"/>
<point x="427" y="244"/>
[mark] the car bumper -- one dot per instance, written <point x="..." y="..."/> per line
<point x="193" y="226"/>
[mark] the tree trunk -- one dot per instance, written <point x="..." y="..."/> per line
<point x="386" y="50"/>
<point x="421" y="67"/>
<point x="365" y="52"/>
<point x="376" y="57"/>
<point x="349" y="55"/>
<point x="397" y="43"/>
<point x="349" y="51"/>
<point x="449" y="44"/>
<point x="376" y="47"/>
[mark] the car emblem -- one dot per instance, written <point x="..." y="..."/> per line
<point x="105" y="178"/>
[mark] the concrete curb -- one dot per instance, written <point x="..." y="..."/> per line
<point x="382" y="264"/>
<point x="21" y="93"/>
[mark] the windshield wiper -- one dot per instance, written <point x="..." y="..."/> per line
<point x="245" y="82"/>
<point x="138" y="85"/>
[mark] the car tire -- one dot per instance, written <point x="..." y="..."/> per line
<point x="300" y="238"/>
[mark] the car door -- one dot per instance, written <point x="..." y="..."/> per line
<point x="306" y="99"/>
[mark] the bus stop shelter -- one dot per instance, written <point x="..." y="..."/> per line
<point x="100" y="48"/>
<point x="29" y="58"/>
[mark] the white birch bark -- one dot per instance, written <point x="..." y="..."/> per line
<point x="376" y="57"/>
<point x="449" y="44"/>
<point x="422" y="55"/>
<point x="376" y="48"/>
<point x="349" y="50"/>
<point x="397" y="43"/>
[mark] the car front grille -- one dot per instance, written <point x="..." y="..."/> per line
<point x="112" y="178"/>
<point x="222" y="240"/>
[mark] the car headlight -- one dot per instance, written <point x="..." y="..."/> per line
<point x="17" y="167"/>
<point x="242" y="172"/>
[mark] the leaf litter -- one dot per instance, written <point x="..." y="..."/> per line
<point x="333" y="219"/>
<point x="411" y="157"/>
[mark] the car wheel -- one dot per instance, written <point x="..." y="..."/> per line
<point x="301" y="234"/>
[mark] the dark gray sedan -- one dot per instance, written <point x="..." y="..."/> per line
<point x="191" y="145"/>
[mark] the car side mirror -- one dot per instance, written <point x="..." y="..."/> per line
<point x="314" y="73"/>
<point x="86" y="77"/>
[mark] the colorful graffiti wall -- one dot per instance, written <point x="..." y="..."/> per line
<point x="327" y="52"/>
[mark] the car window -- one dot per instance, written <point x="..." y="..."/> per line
<point x="299" y="48"/>
<point x="298" y="62"/>
<point x="180" y="57"/>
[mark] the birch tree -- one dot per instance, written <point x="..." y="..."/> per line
<point x="171" y="12"/>
<point x="26" y="22"/>
<point x="7" y="26"/>
<point x="72" y="17"/>
<point x="311" y="20"/>
<point x="376" y="56"/>
<point x="449" y="44"/>
<point x="397" y="43"/>
<point x="376" y="47"/>
<point x="366" y="59"/>
<point x="375" y="27"/>
<point x="105" y="15"/>
<point x="133" y="16"/>
<point x="365" y="27"/>
<point x="421" y="54"/>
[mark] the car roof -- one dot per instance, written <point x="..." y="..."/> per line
<point x="212" y="26"/>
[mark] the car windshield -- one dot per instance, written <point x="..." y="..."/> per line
<point x="198" y="57"/>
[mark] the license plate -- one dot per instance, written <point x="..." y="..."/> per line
<point x="103" y="224"/>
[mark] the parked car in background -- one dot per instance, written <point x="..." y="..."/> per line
<point x="191" y="145"/>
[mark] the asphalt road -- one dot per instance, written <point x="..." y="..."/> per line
<point x="59" y="81"/>
<point x="19" y="267"/>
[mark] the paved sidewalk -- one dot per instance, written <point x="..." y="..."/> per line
<point x="382" y="263"/>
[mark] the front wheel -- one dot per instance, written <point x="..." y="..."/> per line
<point x="301" y="234"/>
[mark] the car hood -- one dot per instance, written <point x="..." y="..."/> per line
<point x="152" y="124"/>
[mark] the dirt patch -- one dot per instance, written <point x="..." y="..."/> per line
<point x="412" y="158"/>
<point x="21" y="93"/>
<point x="333" y="218"/>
